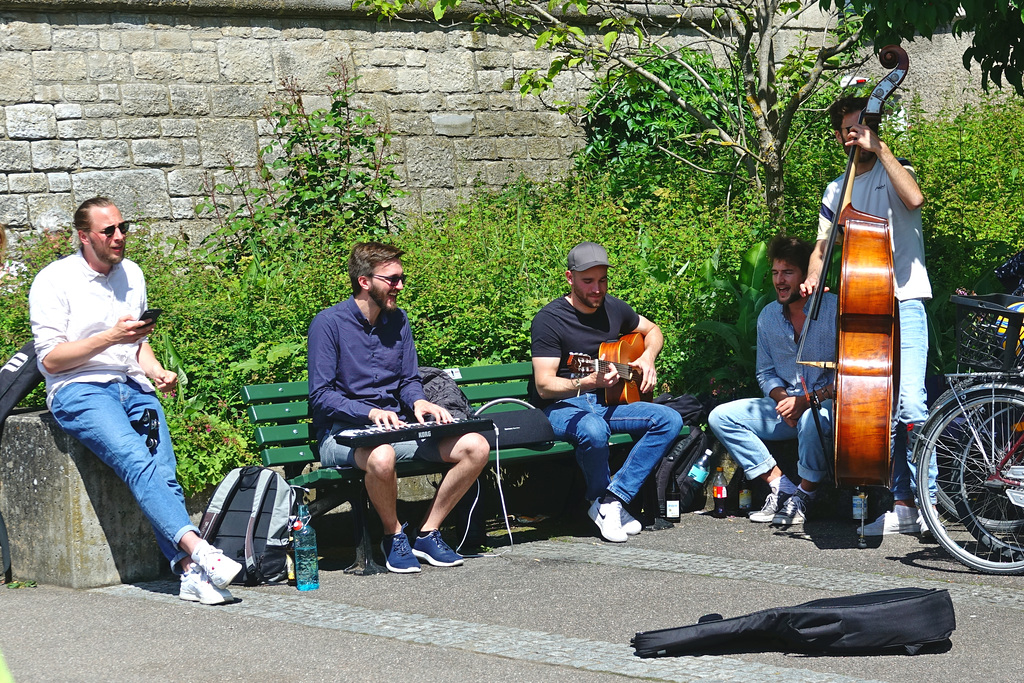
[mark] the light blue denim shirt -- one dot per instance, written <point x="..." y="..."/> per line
<point x="776" y="348"/>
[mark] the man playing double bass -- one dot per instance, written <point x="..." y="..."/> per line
<point x="885" y="186"/>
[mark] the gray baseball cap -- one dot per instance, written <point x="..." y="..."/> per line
<point x="587" y="255"/>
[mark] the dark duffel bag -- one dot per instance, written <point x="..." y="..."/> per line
<point x="898" y="621"/>
<point x="18" y="377"/>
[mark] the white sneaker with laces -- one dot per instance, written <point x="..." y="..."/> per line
<point x="900" y="520"/>
<point x="197" y="587"/>
<point x="221" y="570"/>
<point x="608" y="518"/>
<point x="630" y="524"/>
<point x="772" y="505"/>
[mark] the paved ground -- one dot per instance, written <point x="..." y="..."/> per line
<point x="560" y="606"/>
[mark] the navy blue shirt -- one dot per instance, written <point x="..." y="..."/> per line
<point x="355" y="367"/>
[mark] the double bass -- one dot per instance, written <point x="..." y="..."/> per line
<point x="867" y="329"/>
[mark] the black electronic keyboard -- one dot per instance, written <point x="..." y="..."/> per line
<point x="364" y="437"/>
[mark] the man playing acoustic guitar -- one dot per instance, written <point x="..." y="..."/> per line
<point x="579" y="323"/>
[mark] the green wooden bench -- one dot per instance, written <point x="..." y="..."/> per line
<point x="280" y="414"/>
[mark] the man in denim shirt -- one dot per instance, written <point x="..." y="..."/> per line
<point x="363" y="371"/>
<point x="785" y="412"/>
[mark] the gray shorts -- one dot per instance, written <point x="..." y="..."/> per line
<point x="333" y="454"/>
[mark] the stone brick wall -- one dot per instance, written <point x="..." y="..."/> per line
<point x="143" y="106"/>
<point x="141" y="100"/>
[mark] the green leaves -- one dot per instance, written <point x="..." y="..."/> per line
<point x="750" y="292"/>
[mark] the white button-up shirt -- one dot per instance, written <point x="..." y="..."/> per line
<point x="70" y="301"/>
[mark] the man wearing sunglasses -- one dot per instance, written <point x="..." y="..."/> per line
<point x="100" y="376"/>
<point x="363" y="371"/>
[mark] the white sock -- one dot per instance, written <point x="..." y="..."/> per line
<point x="809" y="494"/>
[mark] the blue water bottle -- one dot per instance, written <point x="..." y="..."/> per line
<point x="307" y="573"/>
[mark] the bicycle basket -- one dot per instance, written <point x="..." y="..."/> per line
<point x="988" y="332"/>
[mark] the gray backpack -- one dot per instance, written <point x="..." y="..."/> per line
<point x="249" y="519"/>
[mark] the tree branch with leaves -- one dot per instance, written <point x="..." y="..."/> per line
<point x="753" y="121"/>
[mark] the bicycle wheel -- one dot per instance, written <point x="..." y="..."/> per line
<point x="976" y="441"/>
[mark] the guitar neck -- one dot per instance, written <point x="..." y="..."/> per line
<point x="625" y="371"/>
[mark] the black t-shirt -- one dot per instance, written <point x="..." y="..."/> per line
<point x="559" y="329"/>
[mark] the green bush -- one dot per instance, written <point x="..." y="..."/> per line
<point x="237" y="312"/>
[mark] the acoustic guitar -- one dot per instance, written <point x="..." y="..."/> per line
<point x="619" y="353"/>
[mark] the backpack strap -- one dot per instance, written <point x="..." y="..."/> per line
<point x="215" y="508"/>
<point x="262" y="484"/>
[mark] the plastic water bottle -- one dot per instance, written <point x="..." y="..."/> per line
<point x="720" y="491"/>
<point x="700" y="470"/>
<point x="694" y="480"/>
<point x="307" y="572"/>
<point x="672" y="500"/>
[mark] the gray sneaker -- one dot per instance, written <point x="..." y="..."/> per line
<point x="793" y="511"/>
<point x="771" y="506"/>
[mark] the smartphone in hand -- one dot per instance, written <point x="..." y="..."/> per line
<point x="150" y="315"/>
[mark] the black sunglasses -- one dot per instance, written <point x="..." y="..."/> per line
<point x="109" y="231"/>
<point x="392" y="280"/>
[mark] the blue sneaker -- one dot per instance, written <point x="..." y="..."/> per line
<point x="434" y="550"/>
<point x="398" y="555"/>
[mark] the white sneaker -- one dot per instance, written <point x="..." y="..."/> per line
<point x="772" y="504"/>
<point x="197" y="587"/>
<point x="608" y="518"/>
<point x="900" y="520"/>
<point x="630" y="524"/>
<point x="221" y="570"/>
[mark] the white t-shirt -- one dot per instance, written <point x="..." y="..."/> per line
<point x="874" y="194"/>
<point x="71" y="301"/>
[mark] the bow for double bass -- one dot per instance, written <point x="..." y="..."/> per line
<point x="867" y="329"/>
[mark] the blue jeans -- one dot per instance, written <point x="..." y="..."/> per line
<point x="912" y="406"/>
<point x="100" y="416"/>
<point x="744" y="425"/>
<point x="584" y="422"/>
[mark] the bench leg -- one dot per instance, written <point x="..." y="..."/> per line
<point x="364" y="563"/>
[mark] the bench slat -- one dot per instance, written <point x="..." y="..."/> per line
<point x="492" y="373"/>
<point x="288" y="455"/>
<point x="413" y="467"/>
<point x="275" y="393"/>
<point x="278" y="412"/>
<point x="483" y="393"/>
<point x="282" y="434"/>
